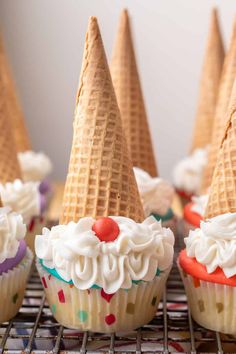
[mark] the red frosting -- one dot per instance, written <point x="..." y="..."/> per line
<point x="198" y="271"/>
<point x="192" y="217"/>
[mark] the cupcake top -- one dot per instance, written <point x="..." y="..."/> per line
<point x="188" y="172"/>
<point x="35" y="166"/>
<point x="110" y="252"/>
<point x="12" y="231"/>
<point x="214" y="244"/>
<point x="22" y="197"/>
<point x="156" y="194"/>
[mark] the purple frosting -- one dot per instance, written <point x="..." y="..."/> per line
<point x="45" y="187"/>
<point x="10" y="263"/>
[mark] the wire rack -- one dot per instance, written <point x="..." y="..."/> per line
<point x="34" y="330"/>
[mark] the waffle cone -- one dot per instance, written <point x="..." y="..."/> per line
<point x="9" y="165"/>
<point x="129" y="95"/>
<point x="209" y="85"/>
<point x="100" y="180"/>
<point x="226" y="85"/>
<point x="222" y="198"/>
<point x="15" y="113"/>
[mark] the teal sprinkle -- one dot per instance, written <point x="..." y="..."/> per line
<point x="83" y="315"/>
<point x="53" y="308"/>
<point x="168" y="216"/>
<point x="95" y="286"/>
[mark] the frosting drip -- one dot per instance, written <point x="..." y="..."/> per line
<point x="77" y="254"/>
<point x="214" y="244"/>
<point x="23" y="198"/>
<point x="156" y="193"/>
<point x="188" y="172"/>
<point x="35" y="166"/>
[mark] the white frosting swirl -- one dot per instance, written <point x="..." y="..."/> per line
<point x="22" y="197"/>
<point x="187" y="173"/>
<point x="78" y="255"/>
<point x="156" y="193"/>
<point x="12" y="230"/>
<point x="200" y="204"/>
<point x="214" y="244"/>
<point x="35" y="166"/>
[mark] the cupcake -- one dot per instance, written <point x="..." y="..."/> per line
<point x="156" y="194"/>
<point x="103" y="258"/>
<point x="194" y="211"/>
<point x="34" y="166"/>
<point x="208" y="264"/>
<point x="188" y="172"/>
<point x="15" y="263"/>
<point x="22" y="197"/>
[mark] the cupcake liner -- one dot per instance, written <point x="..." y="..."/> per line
<point x="12" y="285"/>
<point x="94" y="310"/>
<point x="34" y="228"/>
<point x="212" y="305"/>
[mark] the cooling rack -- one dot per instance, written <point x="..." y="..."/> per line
<point x="34" y="329"/>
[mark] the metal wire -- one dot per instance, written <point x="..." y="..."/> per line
<point x="34" y="330"/>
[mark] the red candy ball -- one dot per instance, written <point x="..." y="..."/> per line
<point x="106" y="229"/>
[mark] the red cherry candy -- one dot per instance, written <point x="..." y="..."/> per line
<point x="106" y="229"/>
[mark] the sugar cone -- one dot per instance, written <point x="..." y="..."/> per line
<point x="100" y="180"/>
<point x="226" y="84"/>
<point x="222" y="198"/>
<point x="209" y="84"/>
<point x="15" y="115"/>
<point x="9" y="165"/>
<point x="130" y="99"/>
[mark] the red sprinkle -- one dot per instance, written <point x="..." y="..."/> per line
<point x="110" y="319"/>
<point x="61" y="296"/>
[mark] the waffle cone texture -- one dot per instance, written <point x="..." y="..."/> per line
<point x="209" y="85"/>
<point x="222" y="198"/>
<point x="129" y="95"/>
<point x="220" y="120"/>
<point x="100" y="180"/>
<point x="9" y="165"/>
<point x="15" y="113"/>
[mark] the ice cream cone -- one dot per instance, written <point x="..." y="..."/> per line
<point x="129" y="95"/>
<point x="222" y="198"/>
<point x="100" y="180"/>
<point x="15" y="113"/>
<point x="226" y="84"/>
<point x="209" y="85"/>
<point x="9" y="165"/>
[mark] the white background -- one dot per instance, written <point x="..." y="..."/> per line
<point x="44" y="40"/>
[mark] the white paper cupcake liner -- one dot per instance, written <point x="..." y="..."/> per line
<point x="93" y="310"/>
<point x="34" y="228"/>
<point x="12" y="287"/>
<point x="212" y="305"/>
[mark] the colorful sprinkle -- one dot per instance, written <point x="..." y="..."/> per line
<point x="130" y="308"/>
<point x="83" y="315"/>
<point x="44" y="282"/>
<point x="14" y="298"/>
<point x="31" y="225"/>
<point x="201" y="305"/>
<point x="49" y="277"/>
<point x="88" y="291"/>
<point x="53" y="308"/>
<point x="61" y="296"/>
<point x="110" y="319"/>
<point x="106" y="296"/>
<point x="196" y="282"/>
<point x="154" y="300"/>
<point x="71" y="285"/>
<point x="158" y="272"/>
<point x="220" y="307"/>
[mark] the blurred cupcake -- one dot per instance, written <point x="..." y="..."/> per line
<point x="22" y="197"/>
<point x="194" y="211"/>
<point x="15" y="263"/>
<point x="208" y="264"/>
<point x="35" y="167"/>
<point x="188" y="172"/>
<point x="103" y="258"/>
<point x="134" y="119"/>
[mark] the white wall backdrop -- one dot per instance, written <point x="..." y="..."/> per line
<point x="44" y="41"/>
